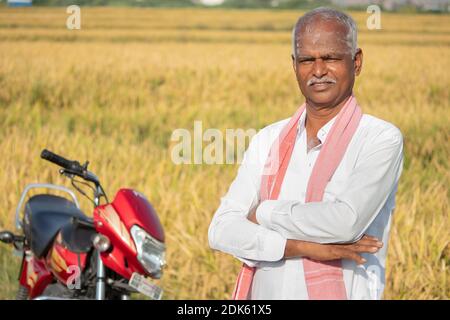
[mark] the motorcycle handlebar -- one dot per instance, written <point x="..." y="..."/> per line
<point x="73" y="166"/>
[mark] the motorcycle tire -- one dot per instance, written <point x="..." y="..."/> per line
<point x="22" y="293"/>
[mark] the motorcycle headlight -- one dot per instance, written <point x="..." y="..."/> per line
<point x="151" y="252"/>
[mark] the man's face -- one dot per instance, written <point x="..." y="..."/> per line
<point x="324" y="67"/>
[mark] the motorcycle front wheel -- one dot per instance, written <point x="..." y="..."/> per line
<point x="22" y="293"/>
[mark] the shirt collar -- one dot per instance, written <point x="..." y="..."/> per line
<point x="322" y="133"/>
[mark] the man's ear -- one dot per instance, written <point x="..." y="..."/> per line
<point x="294" y="65"/>
<point x="358" y="61"/>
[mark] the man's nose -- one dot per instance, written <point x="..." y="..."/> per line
<point x="319" y="68"/>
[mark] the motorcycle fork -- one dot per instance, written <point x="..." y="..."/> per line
<point x="100" y="286"/>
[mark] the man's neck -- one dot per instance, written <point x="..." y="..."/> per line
<point x="317" y="117"/>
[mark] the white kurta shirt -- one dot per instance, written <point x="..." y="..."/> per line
<point x="358" y="200"/>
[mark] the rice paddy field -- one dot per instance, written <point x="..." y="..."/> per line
<point x="114" y="91"/>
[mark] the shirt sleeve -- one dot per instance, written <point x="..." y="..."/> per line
<point x="230" y="231"/>
<point x="361" y="198"/>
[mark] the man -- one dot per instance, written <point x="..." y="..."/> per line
<point x="311" y="205"/>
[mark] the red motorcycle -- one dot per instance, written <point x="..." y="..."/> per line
<point x="68" y="255"/>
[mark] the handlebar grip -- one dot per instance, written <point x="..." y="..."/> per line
<point x="60" y="161"/>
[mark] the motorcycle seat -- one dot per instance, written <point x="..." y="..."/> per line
<point x="45" y="215"/>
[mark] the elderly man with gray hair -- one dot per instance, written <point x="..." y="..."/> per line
<point x="310" y="209"/>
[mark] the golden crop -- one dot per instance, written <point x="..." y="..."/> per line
<point x="114" y="91"/>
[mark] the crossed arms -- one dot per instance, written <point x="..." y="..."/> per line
<point x="276" y="229"/>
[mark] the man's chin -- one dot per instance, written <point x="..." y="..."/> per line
<point x="323" y="100"/>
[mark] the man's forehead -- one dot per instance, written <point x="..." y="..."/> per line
<point x="322" y="52"/>
<point x="323" y="44"/>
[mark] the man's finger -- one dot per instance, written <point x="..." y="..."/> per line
<point x="365" y="249"/>
<point x="369" y="242"/>
<point x="355" y="257"/>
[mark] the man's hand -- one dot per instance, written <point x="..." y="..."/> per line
<point x="327" y="252"/>
<point x="252" y="216"/>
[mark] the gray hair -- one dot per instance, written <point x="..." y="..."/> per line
<point x="327" y="14"/>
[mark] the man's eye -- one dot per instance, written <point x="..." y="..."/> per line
<point x="306" y="61"/>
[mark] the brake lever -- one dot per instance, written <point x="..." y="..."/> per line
<point x="88" y="177"/>
<point x="68" y="173"/>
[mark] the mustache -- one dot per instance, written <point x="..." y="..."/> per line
<point x="315" y="80"/>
